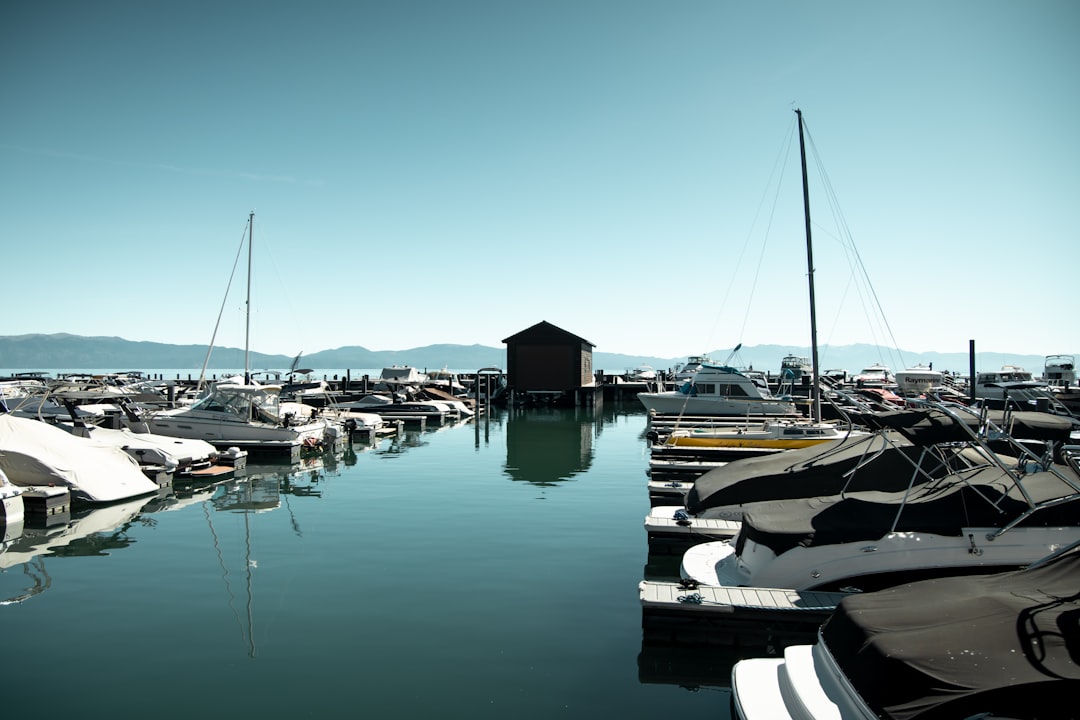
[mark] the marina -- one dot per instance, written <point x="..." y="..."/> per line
<point x="481" y="568"/>
<point x="452" y="546"/>
<point x="224" y="497"/>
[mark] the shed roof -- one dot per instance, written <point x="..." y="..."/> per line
<point x="544" y="330"/>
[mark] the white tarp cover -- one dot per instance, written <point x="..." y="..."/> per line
<point x="35" y="453"/>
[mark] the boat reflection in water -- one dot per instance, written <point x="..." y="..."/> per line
<point x="26" y="545"/>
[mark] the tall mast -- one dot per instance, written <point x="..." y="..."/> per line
<point x="247" y="321"/>
<point x="815" y="391"/>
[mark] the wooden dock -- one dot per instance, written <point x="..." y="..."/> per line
<point x="670" y="536"/>
<point x="668" y="492"/>
<point x="691" y="614"/>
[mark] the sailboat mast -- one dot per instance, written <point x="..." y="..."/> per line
<point x="247" y="321"/>
<point x="815" y="391"/>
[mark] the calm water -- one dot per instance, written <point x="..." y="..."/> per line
<point x="486" y="569"/>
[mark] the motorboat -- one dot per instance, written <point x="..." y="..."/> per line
<point x="768" y="435"/>
<point x="369" y="401"/>
<point x="177" y="456"/>
<point x="641" y="373"/>
<point x="240" y="412"/>
<point x="126" y="429"/>
<point x="296" y="384"/>
<point x="883" y="460"/>
<point x="836" y="376"/>
<point x="1013" y="385"/>
<point x="793" y="368"/>
<point x="1059" y="372"/>
<point x="235" y="413"/>
<point x="918" y="380"/>
<point x="998" y="516"/>
<point x="11" y="502"/>
<point x="718" y="390"/>
<point x="397" y="377"/>
<point x="446" y="381"/>
<point x="34" y="453"/>
<point x="984" y="646"/>
<point x="873" y="376"/>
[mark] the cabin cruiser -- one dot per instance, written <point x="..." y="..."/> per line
<point x="241" y="414"/>
<point x="999" y="515"/>
<point x="1059" y="372"/>
<point x="979" y="646"/>
<point x="794" y="368"/>
<point x="718" y="390"/>
<point x="1013" y="384"/>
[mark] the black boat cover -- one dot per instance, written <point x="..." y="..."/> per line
<point x="1004" y="644"/>
<point x="817" y="471"/>
<point x="925" y="426"/>
<point x="981" y="497"/>
<point x="1032" y="425"/>
<point x="929" y="426"/>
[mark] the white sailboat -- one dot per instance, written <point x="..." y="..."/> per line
<point x="242" y="413"/>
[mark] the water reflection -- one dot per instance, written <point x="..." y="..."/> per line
<point x="546" y="446"/>
<point x="26" y="545"/>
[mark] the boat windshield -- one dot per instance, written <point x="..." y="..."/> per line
<point x="231" y="400"/>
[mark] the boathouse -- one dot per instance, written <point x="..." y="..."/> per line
<point x="545" y="363"/>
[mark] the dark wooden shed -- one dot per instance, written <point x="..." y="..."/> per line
<point x="547" y="359"/>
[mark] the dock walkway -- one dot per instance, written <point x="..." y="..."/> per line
<point x="685" y="613"/>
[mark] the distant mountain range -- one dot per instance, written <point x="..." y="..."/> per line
<point x="70" y="353"/>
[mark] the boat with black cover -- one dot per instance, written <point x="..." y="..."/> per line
<point x="1000" y="515"/>
<point x="999" y="645"/>
<point x="906" y="448"/>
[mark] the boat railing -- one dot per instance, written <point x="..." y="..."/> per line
<point x="1027" y="462"/>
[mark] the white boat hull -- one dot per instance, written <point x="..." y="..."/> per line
<point x="675" y="403"/>
<point x="217" y="430"/>
<point x="11" y="502"/>
<point x="901" y="555"/>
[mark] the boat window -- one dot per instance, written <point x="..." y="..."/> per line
<point x="733" y="390"/>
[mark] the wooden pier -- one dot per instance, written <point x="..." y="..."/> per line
<point x="672" y="536"/>
<point x="690" y="614"/>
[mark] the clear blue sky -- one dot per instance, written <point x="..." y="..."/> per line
<point x="453" y="172"/>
